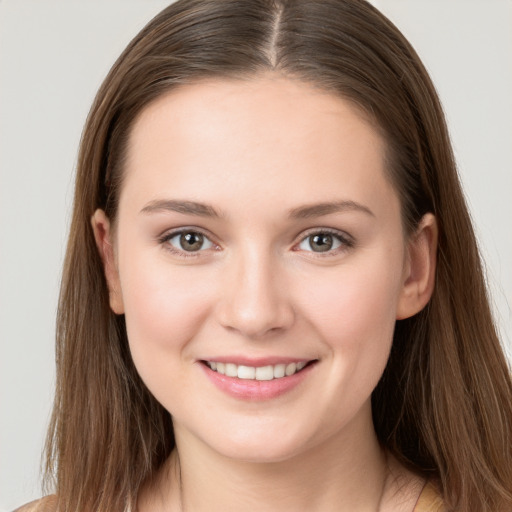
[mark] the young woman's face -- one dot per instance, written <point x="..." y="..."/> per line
<point x="258" y="234"/>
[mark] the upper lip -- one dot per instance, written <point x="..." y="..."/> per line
<point x="257" y="361"/>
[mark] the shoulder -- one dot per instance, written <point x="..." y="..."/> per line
<point x="47" y="504"/>
<point x="430" y="499"/>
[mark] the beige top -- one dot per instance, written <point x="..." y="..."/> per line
<point x="429" y="501"/>
<point x="47" y="504"/>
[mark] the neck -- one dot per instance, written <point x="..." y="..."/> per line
<point x="343" y="473"/>
<point x="313" y="481"/>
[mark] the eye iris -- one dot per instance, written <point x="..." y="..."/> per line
<point x="191" y="241"/>
<point x="321" y="243"/>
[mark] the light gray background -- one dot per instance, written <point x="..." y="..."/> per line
<point x="53" y="56"/>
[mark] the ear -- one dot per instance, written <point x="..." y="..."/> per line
<point x="420" y="268"/>
<point x="103" y="236"/>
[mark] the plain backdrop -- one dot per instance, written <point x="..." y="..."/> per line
<point x="53" y="56"/>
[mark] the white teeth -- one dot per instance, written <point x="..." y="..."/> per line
<point x="265" y="373"/>
<point x="231" y="370"/>
<point x="279" y="371"/>
<point x="268" y="372"/>
<point x="246" y="372"/>
<point x="290" y="369"/>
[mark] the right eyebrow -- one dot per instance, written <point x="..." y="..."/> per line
<point x="321" y="209"/>
<point x="185" y="207"/>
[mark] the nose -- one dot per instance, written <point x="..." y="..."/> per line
<point x="254" y="300"/>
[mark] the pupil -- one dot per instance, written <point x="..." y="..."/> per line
<point x="191" y="241"/>
<point x="321" y="243"/>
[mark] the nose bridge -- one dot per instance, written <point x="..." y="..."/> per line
<point x="253" y="301"/>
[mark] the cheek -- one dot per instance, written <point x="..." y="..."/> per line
<point x="164" y="307"/>
<point x="354" y="313"/>
<point x="354" y="310"/>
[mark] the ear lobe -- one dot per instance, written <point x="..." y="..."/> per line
<point x="419" y="276"/>
<point x="102" y="235"/>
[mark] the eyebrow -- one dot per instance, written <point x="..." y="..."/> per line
<point x="317" y="210"/>
<point x="185" y="207"/>
<point x="205" y="210"/>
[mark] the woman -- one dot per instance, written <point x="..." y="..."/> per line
<point x="272" y="296"/>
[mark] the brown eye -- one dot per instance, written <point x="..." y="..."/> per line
<point x="323" y="242"/>
<point x="190" y="241"/>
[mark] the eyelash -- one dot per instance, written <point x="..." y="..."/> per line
<point x="346" y="242"/>
<point x="167" y="237"/>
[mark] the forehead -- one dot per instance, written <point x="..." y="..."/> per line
<point x="255" y="138"/>
<point x="292" y="106"/>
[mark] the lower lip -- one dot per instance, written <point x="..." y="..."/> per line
<point x="248" y="389"/>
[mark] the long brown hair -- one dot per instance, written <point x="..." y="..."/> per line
<point x="444" y="404"/>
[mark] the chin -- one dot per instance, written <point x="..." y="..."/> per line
<point x="260" y="453"/>
<point x="264" y="445"/>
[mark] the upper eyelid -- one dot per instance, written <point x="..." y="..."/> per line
<point x="331" y="231"/>
<point x="170" y="233"/>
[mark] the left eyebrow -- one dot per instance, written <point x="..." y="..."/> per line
<point x="319" y="209"/>
<point x="185" y="207"/>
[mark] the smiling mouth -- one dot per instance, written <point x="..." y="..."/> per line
<point x="261" y="373"/>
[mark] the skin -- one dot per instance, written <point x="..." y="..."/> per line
<point x="257" y="151"/>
